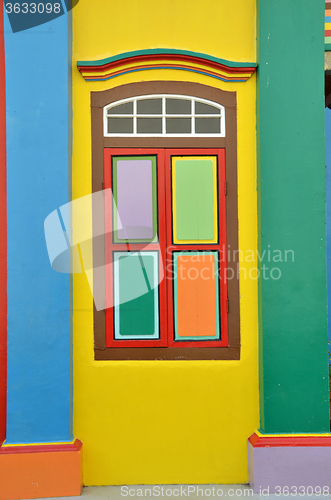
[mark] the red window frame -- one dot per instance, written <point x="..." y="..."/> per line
<point x="166" y="247"/>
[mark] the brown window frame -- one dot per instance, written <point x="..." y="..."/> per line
<point x="229" y="143"/>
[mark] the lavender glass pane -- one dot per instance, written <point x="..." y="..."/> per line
<point x="135" y="199"/>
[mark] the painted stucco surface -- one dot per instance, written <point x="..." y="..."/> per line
<point x="289" y="467"/>
<point x="294" y="371"/>
<point x="328" y="208"/>
<point x="166" y="421"/>
<point x="37" y="183"/>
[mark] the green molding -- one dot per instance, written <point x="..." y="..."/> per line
<point x="136" y="53"/>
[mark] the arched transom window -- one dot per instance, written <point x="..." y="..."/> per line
<point x="164" y="115"/>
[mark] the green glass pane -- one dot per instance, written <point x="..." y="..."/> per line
<point x="136" y="294"/>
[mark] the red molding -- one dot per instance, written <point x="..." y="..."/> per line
<point x="3" y="236"/>
<point x="253" y="439"/>
<point x="41" y="448"/>
<point x="284" y="441"/>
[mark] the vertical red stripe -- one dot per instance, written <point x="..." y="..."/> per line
<point x="3" y="236"/>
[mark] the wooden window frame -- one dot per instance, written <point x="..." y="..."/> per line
<point x="229" y="143"/>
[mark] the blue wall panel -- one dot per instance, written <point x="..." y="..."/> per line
<point x="39" y="370"/>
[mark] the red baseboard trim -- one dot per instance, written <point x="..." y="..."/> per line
<point x="281" y="441"/>
<point x="41" y="448"/>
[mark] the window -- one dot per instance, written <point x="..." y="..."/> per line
<point x="166" y="240"/>
<point x="170" y="223"/>
<point x="170" y="115"/>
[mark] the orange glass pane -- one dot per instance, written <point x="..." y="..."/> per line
<point x="196" y="296"/>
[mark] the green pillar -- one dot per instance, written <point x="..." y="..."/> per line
<point x="293" y="313"/>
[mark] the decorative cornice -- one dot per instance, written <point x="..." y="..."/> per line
<point x="142" y="60"/>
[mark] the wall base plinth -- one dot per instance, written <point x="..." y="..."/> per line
<point x="280" y="462"/>
<point x="41" y="471"/>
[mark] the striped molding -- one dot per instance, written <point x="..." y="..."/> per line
<point x="142" y="60"/>
<point x="328" y="25"/>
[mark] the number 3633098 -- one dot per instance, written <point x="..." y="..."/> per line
<point x="33" y="8"/>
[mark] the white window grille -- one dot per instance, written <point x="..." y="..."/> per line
<point x="164" y="115"/>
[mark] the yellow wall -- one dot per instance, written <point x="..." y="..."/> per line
<point x="166" y="421"/>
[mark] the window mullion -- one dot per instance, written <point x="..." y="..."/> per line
<point x="135" y="117"/>
<point x="163" y="115"/>
<point x="193" y="117"/>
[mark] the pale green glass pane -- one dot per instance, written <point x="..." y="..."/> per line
<point x="194" y="199"/>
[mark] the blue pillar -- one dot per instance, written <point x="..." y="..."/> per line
<point x="38" y="86"/>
